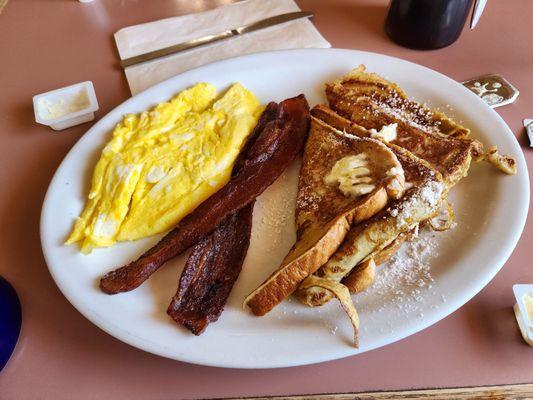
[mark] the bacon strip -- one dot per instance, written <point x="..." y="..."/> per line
<point x="216" y="261"/>
<point x="210" y="272"/>
<point x="275" y="148"/>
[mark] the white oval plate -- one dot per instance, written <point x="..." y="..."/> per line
<point x="491" y="211"/>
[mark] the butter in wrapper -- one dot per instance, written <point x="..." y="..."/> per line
<point x="493" y="89"/>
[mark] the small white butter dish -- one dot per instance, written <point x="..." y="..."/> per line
<point x="66" y="107"/>
<point x="524" y="310"/>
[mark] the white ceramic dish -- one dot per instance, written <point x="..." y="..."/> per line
<point x="491" y="210"/>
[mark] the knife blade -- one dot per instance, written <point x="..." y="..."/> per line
<point x="191" y="44"/>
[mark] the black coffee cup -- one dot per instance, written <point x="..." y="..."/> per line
<point x="426" y="24"/>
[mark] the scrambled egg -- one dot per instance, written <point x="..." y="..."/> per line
<point x="162" y="163"/>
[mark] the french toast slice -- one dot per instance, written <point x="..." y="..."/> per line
<point x="359" y="83"/>
<point x="373" y="102"/>
<point x="370" y="238"/>
<point x="344" y="180"/>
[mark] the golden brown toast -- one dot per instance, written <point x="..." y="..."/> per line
<point x="339" y="245"/>
<point x="326" y="208"/>
<point x="372" y="102"/>
<point x="369" y="102"/>
<point x="367" y="240"/>
<point x="359" y="83"/>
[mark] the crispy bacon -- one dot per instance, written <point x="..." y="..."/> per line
<point x="275" y="148"/>
<point x="216" y="261"/>
<point x="210" y="272"/>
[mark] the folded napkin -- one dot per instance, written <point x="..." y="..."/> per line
<point x="139" y="39"/>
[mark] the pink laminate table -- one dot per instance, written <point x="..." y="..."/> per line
<point x="46" y="44"/>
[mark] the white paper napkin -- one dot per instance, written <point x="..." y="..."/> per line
<point x="139" y="39"/>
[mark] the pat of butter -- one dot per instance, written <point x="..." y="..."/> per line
<point x="528" y="303"/>
<point x="57" y="108"/>
<point x="352" y="176"/>
<point x="387" y="133"/>
<point x="524" y="311"/>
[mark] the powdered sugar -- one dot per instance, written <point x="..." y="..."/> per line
<point x="409" y="270"/>
<point x="404" y="282"/>
<point x="307" y="200"/>
<point x="427" y="196"/>
<point x="431" y="193"/>
<point x="276" y="213"/>
<point x="403" y="290"/>
<point x="407" y="111"/>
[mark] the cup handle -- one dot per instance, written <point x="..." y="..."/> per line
<point x="479" y="6"/>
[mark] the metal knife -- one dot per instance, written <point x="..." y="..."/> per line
<point x="264" y="23"/>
